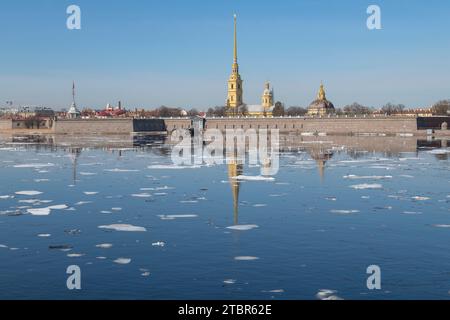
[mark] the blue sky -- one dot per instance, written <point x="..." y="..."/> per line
<point x="179" y="52"/>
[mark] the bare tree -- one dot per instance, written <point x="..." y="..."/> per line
<point x="278" y="110"/>
<point x="441" y="107"/>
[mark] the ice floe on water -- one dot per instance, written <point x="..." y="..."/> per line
<point x="35" y="165"/>
<point x="58" y="207"/>
<point x="122" y="261"/>
<point x="6" y="197"/>
<point x="440" y="151"/>
<point x="243" y="227"/>
<point x="30" y="193"/>
<point x="159" y="244"/>
<point x="80" y="203"/>
<point x="123" y="228"/>
<point x="412" y="213"/>
<point x="254" y="178"/>
<point x="273" y="291"/>
<point x="90" y="193"/>
<point x="44" y="235"/>
<point x="260" y="205"/>
<point x="141" y="195"/>
<point x="171" y="167"/>
<point x="87" y="173"/>
<point x="39" y="211"/>
<point x="365" y="186"/>
<point x="326" y="294"/>
<point x="246" y="258"/>
<point x="46" y="211"/>
<point x="355" y="177"/>
<point x="75" y="255"/>
<point x="344" y="211"/>
<point x="177" y="216"/>
<point x="229" y="281"/>
<point x="104" y="246"/>
<point x="121" y="170"/>
<point x="446" y="226"/>
<point x="420" y="198"/>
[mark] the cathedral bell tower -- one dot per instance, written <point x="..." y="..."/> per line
<point x="235" y="92"/>
<point x="267" y="98"/>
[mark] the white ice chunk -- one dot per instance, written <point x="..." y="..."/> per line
<point x="124" y="228"/>
<point x="246" y="258"/>
<point x="35" y="165"/>
<point x="122" y="261"/>
<point x="254" y="178"/>
<point x="344" y="211"/>
<point x="104" y="246"/>
<point x="39" y="211"/>
<point x="366" y="186"/>
<point x="177" y="216"/>
<point x="28" y="193"/>
<point x="243" y="227"/>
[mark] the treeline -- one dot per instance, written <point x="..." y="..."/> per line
<point x="439" y="108"/>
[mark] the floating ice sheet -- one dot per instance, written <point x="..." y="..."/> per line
<point x="35" y="165"/>
<point x="177" y="216"/>
<point x="243" y="227"/>
<point x="254" y="178"/>
<point x="355" y="177"/>
<point x="123" y="261"/>
<point x="30" y="193"/>
<point x="246" y="258"/>
<point x="124" y="228"/>
<point x="367" y="186"/>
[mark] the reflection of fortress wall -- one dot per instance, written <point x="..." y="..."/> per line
<point x="324" y="125"/>
<point x="357" y="143"/>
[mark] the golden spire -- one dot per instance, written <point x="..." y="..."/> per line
<point x="235" y="39"/>
<point x="321" y="95"/>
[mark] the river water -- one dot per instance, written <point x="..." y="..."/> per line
<point x="140" y="227"/>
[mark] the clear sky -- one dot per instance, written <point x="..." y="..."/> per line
<point x="179" y="52"/>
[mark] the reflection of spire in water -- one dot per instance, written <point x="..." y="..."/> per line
<point x="74" y="155"/>
<point x="234" y="170"/>
<point x="321" y="156"/>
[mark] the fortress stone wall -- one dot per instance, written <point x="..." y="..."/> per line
<point x="303" y="126"/>
<point x="5" y="125"/>
<point x="93" y="126"/>
<point x="321" y="125"/>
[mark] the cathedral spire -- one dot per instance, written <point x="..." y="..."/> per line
<point x="73" y="92"/>
<point x="235" y="39"/>
<point x="321" y="95"/>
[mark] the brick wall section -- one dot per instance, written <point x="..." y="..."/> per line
<point x="325" y="125"/>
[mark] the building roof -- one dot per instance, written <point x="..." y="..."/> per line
<point x="257" y="108"/>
